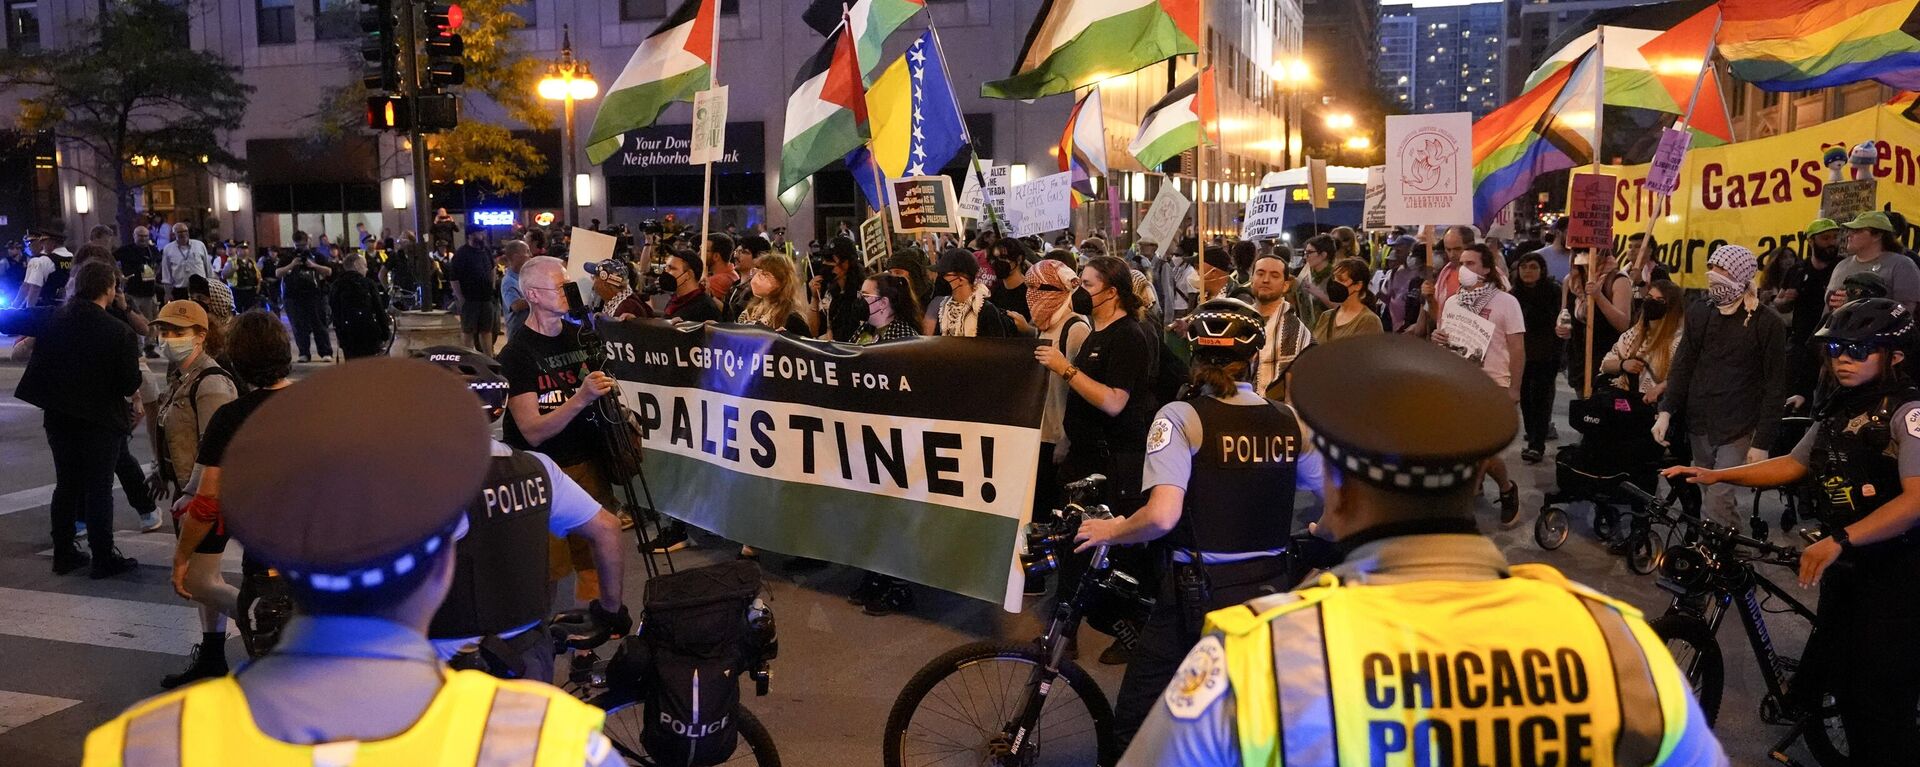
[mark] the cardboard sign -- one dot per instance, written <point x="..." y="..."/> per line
<point x="1044" y="204"/>
<point x="1842" y="200"/>
<point x="1317" y="182"/>
<point x="1668" y="159"/>
<point x="1374" y="215"/>
<point x="924" y="204"/>
<point x="1590" y="211"/>
<point x="999" y="183"/>
<point x="1429" y="176"/>
<point x="973" y="195"/>
<point x="1502" y="227"/>
<point x="873" y="236"/>
<point x="709" y="126"/>
<point x="588" y="247"/>
<point x="1162" y="222"/>
<point x="1262" y="219"/>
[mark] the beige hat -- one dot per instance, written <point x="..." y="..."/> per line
<point x="183" y="314"/>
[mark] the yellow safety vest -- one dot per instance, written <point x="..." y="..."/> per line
<point x="1531" y="669"/>
<point x="474" y="720"/>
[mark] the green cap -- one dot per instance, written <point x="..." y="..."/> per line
<point x="1821" y="225"/>
<point x="1872" y="219"/>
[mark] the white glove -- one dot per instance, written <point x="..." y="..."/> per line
<point x="1660" y="423"/>
<point x="1756" y="455"/>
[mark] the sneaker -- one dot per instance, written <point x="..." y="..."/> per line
<point x="897" y="598"/>
<point x="70" y="561"/>
<point x="1116" y="654"/>
<point x="1531" y="454"/>
<point x="205" y="663"/>
<point x="113" y="565"/>
<point x="1510" y="505"/>
<point x="672" y="538"/>
<point x="149" y="521"/>
<point x="305" y="360"/>
<point x="626" y="520"/>
<point x="79" y="529"/>
<point x="1553" y="433"/>
<point x="869" y="589"/>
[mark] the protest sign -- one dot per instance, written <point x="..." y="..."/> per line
<point x="1374" y="215"/>
<point x="1664" y="176"/>
<point x="923" y="204"/>
<point x="973" y="195"/>
<point x="1429" y="178"/>
<point x="1162" y="222"/>
<point x="1317" y="182"/>
<point x="709" y="126"/>
<point x="1041" y="205"/>
<point x="873" y="237"/>
<point x="1262" y="219"/>
<point x="999" y="182"/>
<point x="588" y="247"/>
<point x="1842" y="200"/>
<point x="1502" y="228"/>
<point x="898" y="458"/>
<point x="1590" y="211"/>
<point x="1466" y="333"/>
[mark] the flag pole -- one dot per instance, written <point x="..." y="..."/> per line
<point x="1599" y="139"/>
<point x="966" y="134"/>
<point x="706" y="188"/>
<point x="1644" y="252"/>
<point x="1200" y="147"/>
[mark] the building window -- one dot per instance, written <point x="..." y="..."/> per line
<point x="23" y="25"/>
<point x="335" y="19"/>
<point x="274" y="19"/>
<point x="646" y="10"/>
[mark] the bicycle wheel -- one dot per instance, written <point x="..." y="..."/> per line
<point x="1643" y="552"/>
<point x="1697" y="653"/>
<point x="626" y="716"/>
<point x="956" y="709"/>
<point x="1551" y="528"/>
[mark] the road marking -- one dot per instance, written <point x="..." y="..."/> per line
<point x="18" y="708"/>
<point x="157" y="549"/>
<point x="35" y="497"/>
<point x="22" y="406"/>
<point x="99" y="621"/>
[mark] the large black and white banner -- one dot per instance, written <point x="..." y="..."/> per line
<point x="915" y="458"/>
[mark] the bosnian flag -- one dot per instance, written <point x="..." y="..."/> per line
<point x="827" y="113"/>
<point x="1174" y="125"/>
<point x="671" y="65"/>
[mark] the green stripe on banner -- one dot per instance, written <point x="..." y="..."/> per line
<point x="940" y="546"/>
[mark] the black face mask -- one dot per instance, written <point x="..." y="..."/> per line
<point x="861" y="312"/>
<point x="1082" y="301"/>
<point x="1003" y="269"/>
<point x="942" y="288"/>
<point x="1653" y="310"/>
<point x="1337" y="293"/>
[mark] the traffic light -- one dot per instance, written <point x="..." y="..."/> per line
<point x="389" y="113"/>
<point x="438" y="112"/>
<point x="381" y="47"/>
<point x="444" y="46"/>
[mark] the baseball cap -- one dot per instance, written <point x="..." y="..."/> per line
<point x="1872" y="219"/>
<point x="1822" y="225"/>
<point x="182" y="314"/>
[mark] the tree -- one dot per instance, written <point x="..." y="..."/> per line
<point x="132" y="99"/>
<point x="498" y="72"/>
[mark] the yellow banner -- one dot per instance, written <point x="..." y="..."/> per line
<point x="1762" y="193"/>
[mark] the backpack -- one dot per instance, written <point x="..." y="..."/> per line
<point x="687" y="661"/>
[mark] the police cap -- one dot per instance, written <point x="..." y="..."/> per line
<point x="1401" y="413"/>
<point x="326" y="480"/>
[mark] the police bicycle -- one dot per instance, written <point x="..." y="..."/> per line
<point x="1001" y="703"/>
<point x="1710" y="569"/>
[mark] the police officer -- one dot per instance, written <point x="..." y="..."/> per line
<point x="1424" y="646"/>
<point x="1221" y="470"/>
<point x="368" y="551"/>
<point x="499" y="595"/>
<point x="1863" y="456"/>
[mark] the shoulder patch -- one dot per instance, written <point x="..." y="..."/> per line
<point x="1161" y="433"/>
<point x="1201" y="680"/>
<point x="1913" y="423"/>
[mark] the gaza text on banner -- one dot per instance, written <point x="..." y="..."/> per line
<point x="898" y="458"/>
<point x="1762" y="193"/>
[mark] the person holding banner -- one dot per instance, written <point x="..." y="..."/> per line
<point x="1610" y="294"/>
<point x="960" y="307"/>
<point x="776" y="298"/>
<point x="689" y="302"/>
<point x="837" y="293"/>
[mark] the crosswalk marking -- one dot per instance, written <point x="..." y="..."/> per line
<point x="157" y="549"/>
<point x="100" y="621"/>
<point x="19" y="708"/>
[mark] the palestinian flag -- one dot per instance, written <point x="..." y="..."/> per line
<point x="827" y="113"/>
<point x="1174" y="125"/>
<point x="872" y="20"/>
<point x="1075" y="43"/>
<point x="671" y="65"/>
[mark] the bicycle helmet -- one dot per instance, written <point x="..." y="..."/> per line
<point x="1864" y="285"/>
<point x="1226" y="330"/>
<point x="1881" y="320"/>
<point x="481" y="371"/>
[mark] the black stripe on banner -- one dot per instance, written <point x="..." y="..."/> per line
<point x="982" y="380"/>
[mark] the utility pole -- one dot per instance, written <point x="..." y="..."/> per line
<point x="411" y="76"/>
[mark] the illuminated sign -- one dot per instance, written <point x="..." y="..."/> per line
<point x="544" y="219"/>
<point x="493" y="218"/>
<point x="1300" y="193"/>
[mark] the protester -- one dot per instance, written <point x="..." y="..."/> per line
<point x="960" y="307"/>
<point x="139" y="263"/>
<point x="1310" y="283"/>
<point x="1009" y="259"/>
<point x="1869" y="239"/>
<point x="1173" y="275"/>
<point x="182" y="258"/>
<point x="442" y="231"/>
<point x="214" y="296"/>
<point x="746" y="254"/>
<point x="300" y="274"/>
<point x="912" y="264"/>
<point x="1609" y="293"/>
<point x="1558" y="259"/>
<point x="1539" y="296"/>
<point x="688" y="301"/>
<point x="837" y="293"/>
<point x="1214" y="278"/>
<point x="1645" y="352"/>
<point x="1804" y="293"/>
<point x="889" y="313"/>
<point x="1105" y="421"/>
<point x="718" y="261"/>
<point x="776" y="298"/>
<point x="1287" y="335"/>
<point x="1050" y="286"/>
<point x="1354" y="305"/>
<point x="359" y="310"/>
<point x="1728" y="378"/>
<point x="1244" y="252"/>
<point x="471" y="275"/>
<point x="1503" y="357"/>
<point x="612" y="283"/>
<point x="513" y="255"/>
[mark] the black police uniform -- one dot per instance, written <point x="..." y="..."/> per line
<point x="1862" y="644"/>
<point x="53" y="291"/>
<point x="500" y="566"/>
<point x="1229" y="544"/>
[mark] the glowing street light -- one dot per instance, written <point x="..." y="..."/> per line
<point x="568" y="80"/>
<point x="1359" y="143"/>
<point x="1341" y="121"/>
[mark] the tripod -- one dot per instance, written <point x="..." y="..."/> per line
<point x="620" y="461"/>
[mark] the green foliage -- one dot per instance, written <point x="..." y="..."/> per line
<point x="130" y="89"/>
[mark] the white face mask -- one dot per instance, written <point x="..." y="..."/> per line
<point x="1470" y="279"/>
<point x="177" y="350"/>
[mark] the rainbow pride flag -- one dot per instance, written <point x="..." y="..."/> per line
<point x="1539" y="132"/>
<point x="1793" y="45"/>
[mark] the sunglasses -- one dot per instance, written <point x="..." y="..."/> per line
<point x="1857" y="350"/>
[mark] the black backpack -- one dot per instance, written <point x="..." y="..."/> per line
<point x="687" y="661"/>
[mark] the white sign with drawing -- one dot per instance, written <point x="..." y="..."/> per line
<point x="1041" y="205"/>
<point x="1162" y="222"/>
<point x="1466" y="334"/>
<point x="1430" y="169"/>
<point x="709" y="126"/>
<point x="973" y="198"/>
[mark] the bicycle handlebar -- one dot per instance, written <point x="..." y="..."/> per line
<point x="1708" y="528"/>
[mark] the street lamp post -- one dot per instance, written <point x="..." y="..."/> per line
<point x="568" y="80"/>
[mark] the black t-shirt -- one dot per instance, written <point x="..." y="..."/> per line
<point x="550" y="367"/>
<point x="1810" y="304"/>
<point x="473" y="270"/>
<point x="1117" y="356"/>
<point x="303" y="281"/>
<point x="1011" y="300"/>
<point x="697" y="307"/>
<point x="134" y="260"/>
<point x="226" y="422"/>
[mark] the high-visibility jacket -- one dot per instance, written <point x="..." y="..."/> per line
<point x="1527" y="670"/>
<point x="474" y="720"/>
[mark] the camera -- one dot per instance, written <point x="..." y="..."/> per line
<point x="657" y="281"/>
<point x="652" y="226"/>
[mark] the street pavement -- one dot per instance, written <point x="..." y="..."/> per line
<point x="77" y="651"/>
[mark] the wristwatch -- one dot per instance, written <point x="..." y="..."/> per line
<point x="1839" y="535"/>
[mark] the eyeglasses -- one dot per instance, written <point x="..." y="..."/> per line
<point x="1857" y="350"/>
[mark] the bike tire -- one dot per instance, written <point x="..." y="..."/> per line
<point x="1706" y="670"/>
<point x="756" y="745"/>
<point x="1551" y="528"/>
<point x="900" y="719"/>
